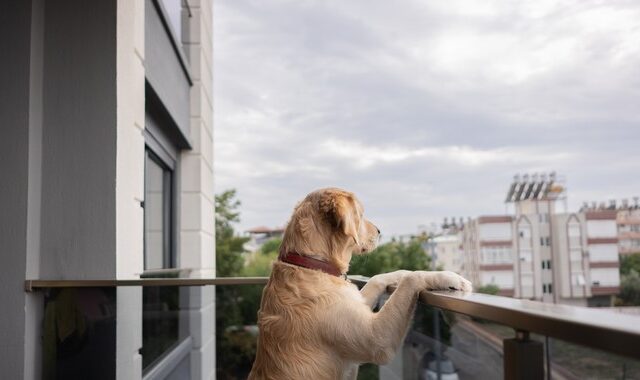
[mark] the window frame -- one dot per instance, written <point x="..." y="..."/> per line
<point x="164" y="146"/>
<point x="168" y="211"/>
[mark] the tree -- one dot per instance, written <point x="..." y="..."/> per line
<point x="259" y="265"/>
<point x="629" y="263"/>
<point x="271" y="245"/>
<point x="629" y="281"/>
<point x="235" y="350"/>
<point x="391" y="256"/>
<point x="492" y="289"/>
<point x="229" y="260"/>
<point x="630" y="289"/>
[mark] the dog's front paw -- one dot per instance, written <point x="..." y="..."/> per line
<point x="447" y="280"/>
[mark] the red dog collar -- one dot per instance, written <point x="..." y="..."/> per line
<point x="311" y="263"/>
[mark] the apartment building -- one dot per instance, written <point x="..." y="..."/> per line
<point x="447" y="252"/>
<point x="487" y="243"/>
<point x="628" y="219"/>
<point x="106" y="134"/>
<point x="539" y="254"/>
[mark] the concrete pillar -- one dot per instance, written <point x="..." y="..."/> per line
<point x="197" y="235"/>
<point x="72" y="109"/>
<point x="129" y="186"/>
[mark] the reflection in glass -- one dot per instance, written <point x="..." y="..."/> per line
<point x="157" y="202"/>
<point x="174" y="11"/>
<point x="160" y="322"/>
<point x="79" y="334"/>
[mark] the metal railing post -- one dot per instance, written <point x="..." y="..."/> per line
<point x="523" y="358"/>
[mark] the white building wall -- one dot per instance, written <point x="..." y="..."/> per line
<point x="449" y="255"/>
<point x="602" y="228"/>
<point x="503" y="279"/>
<point x="605" y="276"/>
<point x="603" y="252"/>
<point x="197" y="234"/>
<point x="130" y="146"/>
<point x="495" y="231"/>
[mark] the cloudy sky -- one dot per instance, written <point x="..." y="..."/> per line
<point x="424" y="109"/>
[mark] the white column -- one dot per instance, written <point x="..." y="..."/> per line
<point x="197" y="231"/>
<point x="130" y="78"/>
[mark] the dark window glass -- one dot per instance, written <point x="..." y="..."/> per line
<point x="160" y="322"/>
<point x="160" y="305"/>
<point x="157" y="214"/>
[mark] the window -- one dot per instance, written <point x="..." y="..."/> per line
<point x="550" y="288"/>
<point x="544" y="288"/>
<point x="577" y="280"/>
<point x="543" y="265"/>
<point x="541" y="241"/>
<point x="574" y="230"/>
<point x="173" y="10"/>
<point x="162" y="325"/>
<point x="575" y="254"/>
<point x="548" y="264"/>
<point x="547" y="241"/>
<point x="158" y="184"/>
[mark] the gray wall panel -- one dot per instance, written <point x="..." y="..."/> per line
<point x="164" y="71"/>
<point x="15" y="22"/>
<point x="79" y="152"/>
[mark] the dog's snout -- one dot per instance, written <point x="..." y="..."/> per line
<point x="377" y="229"/>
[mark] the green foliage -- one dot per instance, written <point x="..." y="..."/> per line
<point x="368" y="371"/>
<point x="488" y="289"/>
<point x="229" y="260"/>
<point x="629" y="281"/>
<point x="629" y="263"/>
<point x="260" y="265"/>
<point x="630" y="289"/>
<point x="235" y="349"/>
<point x="424" y="322"/>
<point x="270" y="246"/>
<point x="391" y="256"/>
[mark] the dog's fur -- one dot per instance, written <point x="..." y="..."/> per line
<point x="317" y="326"/>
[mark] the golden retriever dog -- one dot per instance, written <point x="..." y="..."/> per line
<point x="314" y="324"/>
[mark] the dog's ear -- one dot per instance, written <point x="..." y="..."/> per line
<point x="341" y="211"/>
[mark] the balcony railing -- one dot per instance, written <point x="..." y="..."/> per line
<point x="454" y="335"/>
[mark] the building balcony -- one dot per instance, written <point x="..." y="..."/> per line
<point x="629" y="235"/>
<point x="453" y="335"/>
<point x="628" y="219"/>
<point x="625" y="250"/>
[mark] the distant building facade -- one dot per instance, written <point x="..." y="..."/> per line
<point x="627" y="219"/>
<point x="260" y="235"/>
<point x="569" y="258"/>
<point x="447" y="252"/>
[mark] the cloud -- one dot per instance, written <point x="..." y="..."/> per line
<point x="365" y="156"/>
<point x="427" y="109"/>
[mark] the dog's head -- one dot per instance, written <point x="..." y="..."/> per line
<point x="330" y="223"/>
